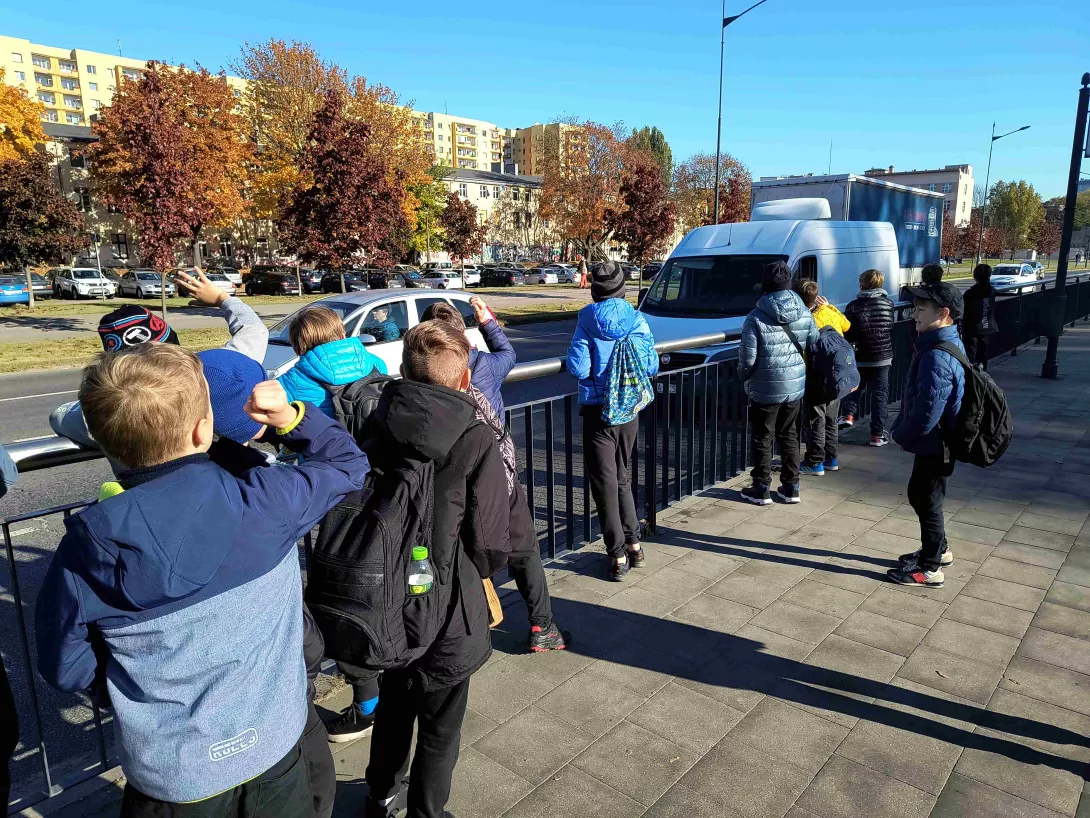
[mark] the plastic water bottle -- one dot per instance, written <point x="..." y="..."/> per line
<point x="420" y="573"/>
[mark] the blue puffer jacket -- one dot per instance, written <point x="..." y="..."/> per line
<point x="490" y="368"/>
<point x="332" y="364"/>
<point x="933" y="393"/>
<point x="600" y="326"/>
<point x="768" y="362"/>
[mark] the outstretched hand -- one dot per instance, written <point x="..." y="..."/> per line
<point x="822" y="301"/>
<point x="203" y="292"/>
<point x="269" y="405"/>
<point x="480" y="309"/>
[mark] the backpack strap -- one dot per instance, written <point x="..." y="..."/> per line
<point x="955" y="353"/>
<point x="791" y="336"/>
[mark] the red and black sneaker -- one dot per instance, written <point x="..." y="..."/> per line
<point x="636" y="557"/>
<point x="546" y="639"/>
<point x="913" y="574"/>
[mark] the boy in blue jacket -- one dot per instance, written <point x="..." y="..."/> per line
<point x="931" y="402"/>
<point x="179" y="594"/>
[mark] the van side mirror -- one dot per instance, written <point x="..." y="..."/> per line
<point x="642" y="295"/>
<point x="367" y="339"/>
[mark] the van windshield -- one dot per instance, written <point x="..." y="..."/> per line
<point x="708" y="285"/>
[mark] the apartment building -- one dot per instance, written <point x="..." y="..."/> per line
<point x="533" y="144"/>
<point x="955" y="182"/>
<point x="72" y="83"/>
<point x="463" y="143"/>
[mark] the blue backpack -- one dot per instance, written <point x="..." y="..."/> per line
<point x="832" y="373"/>
<point x="629" y="388"/>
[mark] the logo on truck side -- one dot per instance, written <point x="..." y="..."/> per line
<point x="233" y="746"/>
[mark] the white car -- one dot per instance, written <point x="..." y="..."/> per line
<point x="543" y="275"/>
<point x="143" y="284"/>
<point x="81" y="282"/>
<point x="566" y="273"/>
<point x="471" y="275"/>
<point x="222" y="281"/>
<point x="1004" y="275"/>
<point x="231" y="273"/>
<point x="446" y="279"/>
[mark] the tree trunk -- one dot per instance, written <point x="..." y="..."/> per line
<point x="196" y="250"/>
<point x="29" y="288"/>
<point x="342" y="283"/>
<point x="298" y="278"/>
<point x="163" y="293"/>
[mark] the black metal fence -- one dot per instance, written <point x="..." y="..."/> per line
<point x="694" y="434"/>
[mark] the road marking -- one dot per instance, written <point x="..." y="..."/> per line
<point x="29" y="439"/>
<point x="42" y="395"/>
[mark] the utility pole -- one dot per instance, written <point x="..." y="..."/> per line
<point x="987" y="179"/>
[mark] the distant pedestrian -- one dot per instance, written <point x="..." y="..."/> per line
<point x="979" y="324"/>
<point x="583" y="274"/>
<point x="932" y="273"/>
<point x="871" y="317"/>
<point x="772" y="364"/>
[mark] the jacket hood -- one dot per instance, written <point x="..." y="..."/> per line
<point x="926" y="340"/>
<point x="611" y="319"/>
<point x="879" y="293"/>
<point x="336" y="363"/>
<point x="426" y="419"/>
<point x="161" y="541"/>
<point x="783" y="306"/>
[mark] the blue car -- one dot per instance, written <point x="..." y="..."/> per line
<point x="13" y="290"/>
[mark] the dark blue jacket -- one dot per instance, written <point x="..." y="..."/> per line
<point x="488" y="369"/>
<point x="600" y="327"/>
<point x="933" y="393"/>
<point x="184" y="590"/>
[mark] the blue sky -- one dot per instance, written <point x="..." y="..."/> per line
<point x="909" y="84"/>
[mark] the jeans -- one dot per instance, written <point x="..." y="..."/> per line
<point x="779" y="422"/>
<point x="438" y="716"/>
<point x="926" y="491"/>
<point x="606" y="454"/>
<point x="821" y="432"/>
<point x="876" y="379"/>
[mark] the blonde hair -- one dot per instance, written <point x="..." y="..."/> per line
<point x="142" y="402"/>
<point x="436" y="353"/>
<point x="808" y="291"/>
<point x="313" y="327"/>
<point x="871" y="280"/>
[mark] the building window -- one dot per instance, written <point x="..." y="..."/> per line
<point x="16" y="57"/>
<point x="47" y="97"/>
<point x="84" y="195"/>
<point x="121" y="245"/>
<point x="67" y="65"/>
<point x="44" y="80"/>
<point x="946" y="206"/>
<point x="440" y="137"/>
<point x="113" y="209"/>
<point x="77" y="160"/>
<point x="945" y="187"/>
<point x="529" y="220"/>
<point x="42" y="62"/>
<point x="90" y="69"/>
<point x="484" y="192"/>
<point x="514" y="194"/>
<point x="50" y="116"/>
<point x="95" y="104"/>
<point x="931" y="187"/>
<point x="496" y="191"/>
<point x="69" y="85"/>
<point x="462" y="191"/>
<point x="21" y="76"/>
<point x="92" y="86"/>
<point x="72" y="102"/>
<point x="74" y="119"/>
<point x="130" y="73"/>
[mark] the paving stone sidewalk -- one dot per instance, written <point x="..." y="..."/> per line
<point x="761" y="666"/>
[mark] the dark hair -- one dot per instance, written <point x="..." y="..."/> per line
<point x="932" y="273"/>
<point x="442" y="311"/>
<point x="982" y="273"/>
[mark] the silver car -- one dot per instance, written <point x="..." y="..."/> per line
<point x="143" y="284"/>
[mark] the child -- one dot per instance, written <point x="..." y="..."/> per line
<point x="525" y="559"/>
<point x="979" y="323"/>
<point x="773" y="368"/>
<point x="932" y="400"/>
<point x="821" y="420"/>
<point x="326" y="358"/>
<point x="470" y="529"/>
<point x="871" y="317"/>
<point x="181" y="591"/>
<point x="607" y="449"/>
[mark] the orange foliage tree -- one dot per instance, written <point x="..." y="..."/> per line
<point x="20" y="122"/>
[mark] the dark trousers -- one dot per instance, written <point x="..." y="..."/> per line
<point x="365" y="683"/>
<point x="875" y="379"/>
<point x="9" y="734"/>
<point x="977" y="347"/>
<point x="525" y="562"/>
<point x="321" y="773"/>
<point x="606" y="454"/>
<point x="779" y="422"/>
<point x="282" y="791"/>
<point x="438" y="716"/>
<point x="926" y="491"/>
<point x="821" y="432"/>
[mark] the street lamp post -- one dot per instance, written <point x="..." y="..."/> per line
<point x="987" y="180"/>
<point x="719" y="126"/>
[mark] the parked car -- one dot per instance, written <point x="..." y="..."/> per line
<point x="631" y="272"/>
<point x="471" y="275"/>
<point x="232" y="273"/>
<point x="143" y="284"/>
<point x="13" y="290"/>
<point x="80" y="282"/>
<point x="543" y="275"/>
<point x="404" y="268"/>
<point x="431" y="266"/>
<point x="444" y="279"/>
<point x="380" y="318"/>
<point x="311" y="279"/>
<point x="379" y="279"/>
<point x="40" y="287"/>
<point x="411" y="278"/>
<point x="566" y="273"/>
<point x="114" y="274"/>
<point x="353" y="282"/>
<point x="651" y="270"/>
<point x="500" y="276"/>
<point x="258" y="269"/>
<point x="1008" y="274"/>
<point x="1038" y="268"/>
<point x="272" y="283"/>
<point x="222" y="281"/>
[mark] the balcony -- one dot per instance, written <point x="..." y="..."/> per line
<point x="42" y="62"/>
<point x="67" y="66"/>
<point x="43" y="80"/>
<point x="465" y="140"/>
<point x="466" y="163"/>
<point x="73" y="102"/>
<point x="469" y="129"/>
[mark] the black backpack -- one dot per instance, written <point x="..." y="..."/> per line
<point x="831" y="373"/>
<point x="354" y="403"/>
<point x="984" y="426"/>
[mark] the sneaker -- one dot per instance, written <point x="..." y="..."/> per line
<point x="816" y="471"/>
<point x="546" y="639"/>
<point x="350" y="725"/>
<point x="636" y="557"/>
<point x="396" y="807"/>
<point x="757" y="494"/>
<point x="845" y="422"/>
<point x="618" y="570"/>
<point x="879" y="440"/>
<point x="914" y="575"/>
<point x="946" y="559"/>
<point x="831" y="465"/>
<point x="789" y="494"/>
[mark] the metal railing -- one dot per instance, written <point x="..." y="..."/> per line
<point x="693" y="435"/>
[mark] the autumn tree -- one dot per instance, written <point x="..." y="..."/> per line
<point x="950" y="236"/>
<point x="1082" y="210"/>
<point x="37" y="223"/>
<point x="1045" y="236"/>
<point x="653" y="141"/>
<point x="645" y="221"/>
<point x="694" y="190"/>
<point x="344" y="205"/>
<point x="20" y="122"/>
<point x="1015" y="208"/>
<point x="1054" y="209"/>
<point x="463" y="232"/>
<point x="171" y="155"/>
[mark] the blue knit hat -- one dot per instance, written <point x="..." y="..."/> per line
<point x="231" y="380"/>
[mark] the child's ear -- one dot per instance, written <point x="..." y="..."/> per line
<point x="463" y="385"/>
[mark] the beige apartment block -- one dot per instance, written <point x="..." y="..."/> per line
<point x="463" y="143"/>
<point x="954" y="182"/>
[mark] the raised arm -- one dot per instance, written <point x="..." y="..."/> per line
<point x="578" y="362"/>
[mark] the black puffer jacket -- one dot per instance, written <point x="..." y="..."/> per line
<point x="979" y="316"/>
<point x="871" y="314"/>
<point x="472" y="511"/>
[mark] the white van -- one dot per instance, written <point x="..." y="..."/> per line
<point x="713" y="278"/>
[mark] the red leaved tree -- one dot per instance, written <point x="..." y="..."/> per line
<point x="694" y="190"/>
<point x="950" y="236"/>
<point x="647" y="218"/>
<point x="1046" y="237"/>
<point x="463" y="232"/>
<point x="344" y="205"/>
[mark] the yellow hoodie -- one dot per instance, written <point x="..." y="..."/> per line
<point x="829" y="316"/>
